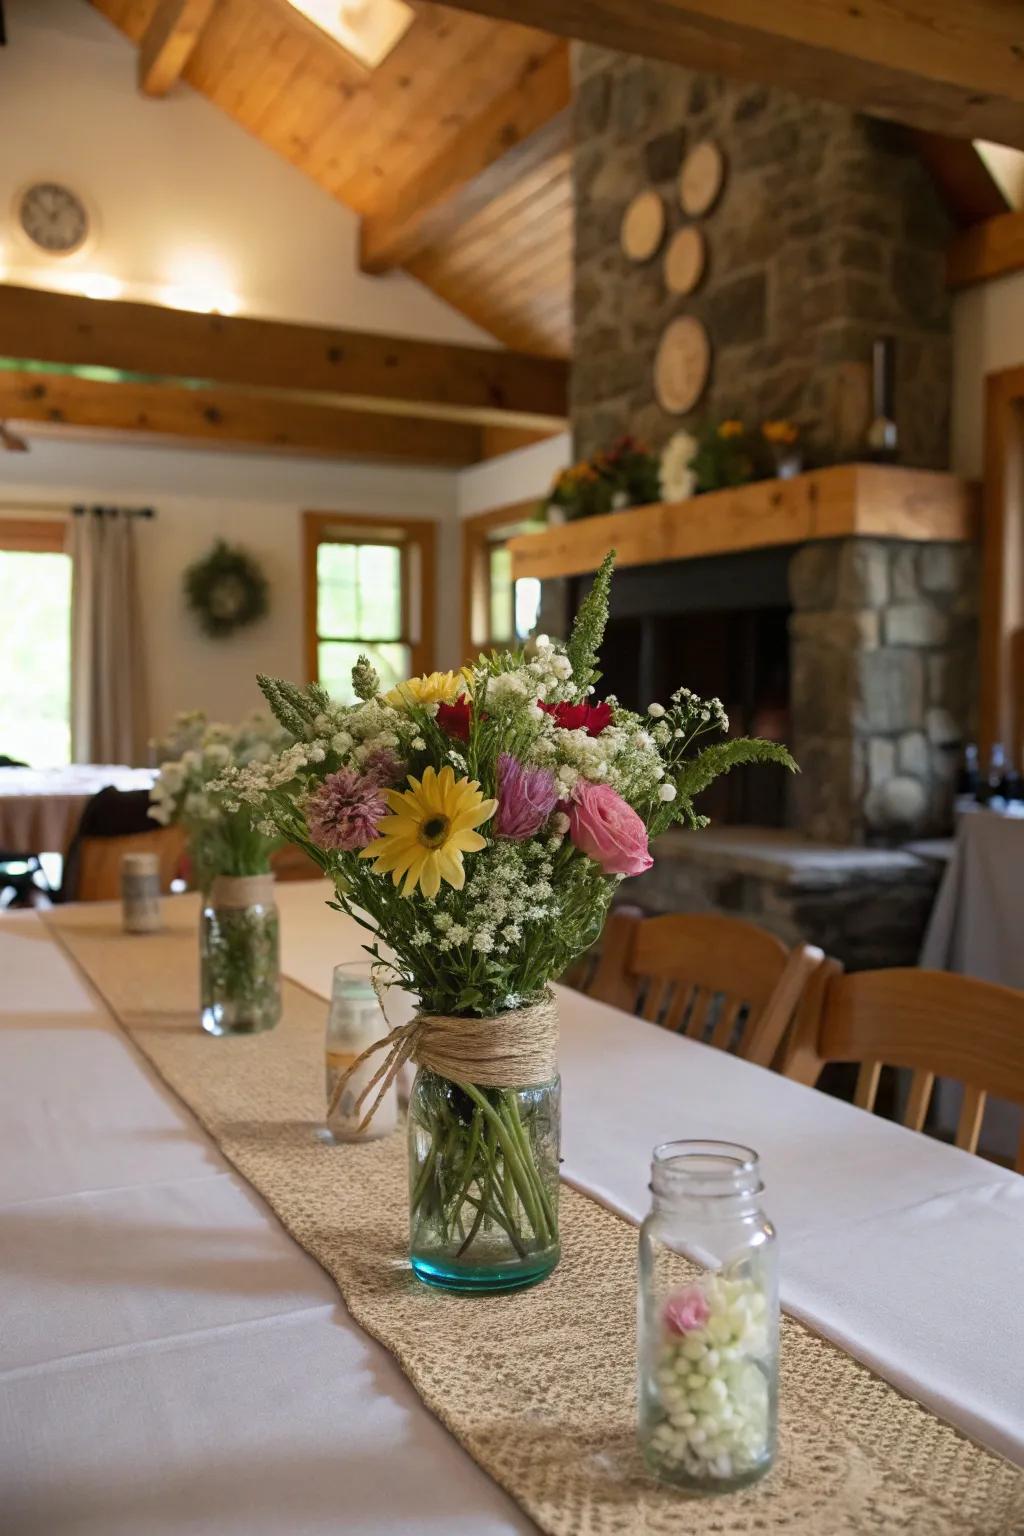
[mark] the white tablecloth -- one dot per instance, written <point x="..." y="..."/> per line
<point x="40" y="808"/>
<point x="170" y="1361"/>
<point x="977" y="924"/>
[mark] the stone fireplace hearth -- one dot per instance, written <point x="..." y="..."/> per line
<point x="829" y="233"/>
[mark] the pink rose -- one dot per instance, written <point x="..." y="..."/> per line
<point x="687" y="1311"/>
<point x="608" y="830"/>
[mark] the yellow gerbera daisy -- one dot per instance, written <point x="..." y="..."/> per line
<point x="432" y="688"/>
<point x="430" y="828"/>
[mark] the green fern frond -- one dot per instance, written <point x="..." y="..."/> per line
<point x="709" y="765"/>
<point x="588" y="628"/>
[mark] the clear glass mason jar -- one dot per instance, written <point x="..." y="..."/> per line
<point x="239" y="968"/>
<point x="355" y="1020"/>
<point x="483" y="1183"/>
<point x="708" y="1319"/>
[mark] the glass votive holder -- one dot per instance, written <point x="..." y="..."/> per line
<point x="355" y="1020"/>
<point x="708" y="1320"/>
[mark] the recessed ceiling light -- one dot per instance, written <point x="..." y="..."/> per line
<point x="368" y="29"/>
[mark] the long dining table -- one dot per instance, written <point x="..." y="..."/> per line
<point x="171" y="1360"/>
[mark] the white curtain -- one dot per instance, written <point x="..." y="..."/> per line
<point x="108" y="694"/>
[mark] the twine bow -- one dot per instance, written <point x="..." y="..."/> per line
<point x="508" y="1050"/>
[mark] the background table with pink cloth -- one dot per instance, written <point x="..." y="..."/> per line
<point x="40" y="808"/>
<point x="170" y="1360"/>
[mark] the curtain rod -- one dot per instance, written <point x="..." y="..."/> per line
<point x="114" y="511"/>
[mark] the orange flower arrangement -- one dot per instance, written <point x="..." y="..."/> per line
<point x="783" y="432"/>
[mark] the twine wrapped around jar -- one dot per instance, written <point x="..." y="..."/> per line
<point x="508" y="1050"/>
<point x="236" y="891"/>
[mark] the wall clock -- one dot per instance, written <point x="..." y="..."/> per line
<point x="702" y="178"/>
<point x="682" y="365"/>
<point x="53" y="217"/>
<point x="643" y="225"/>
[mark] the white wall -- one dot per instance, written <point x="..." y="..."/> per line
<point x="518" y="476"/>
<point x="988" y="334"/>
<point x="178" y="188"/>
<point x="246" y="499"/>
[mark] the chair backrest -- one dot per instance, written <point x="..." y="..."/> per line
<point x="99" y="861"/>
<point x="115" y="822"/>
<point x="934" y="1023"/>
<point x="706" y="976"/>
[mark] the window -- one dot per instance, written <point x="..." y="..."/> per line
<point x="370" y="589"/>
<point x="35" y="642"/>
<point x="497" y="611"/>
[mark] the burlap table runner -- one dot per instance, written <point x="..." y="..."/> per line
<point x="538" y="1386"/>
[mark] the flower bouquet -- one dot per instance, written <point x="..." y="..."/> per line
<point x="229" y="851"/>
<point x="624" y="475"/>
<point x="477" y="824"/>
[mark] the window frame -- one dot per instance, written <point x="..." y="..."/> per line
<point x="419" y="596"/>
<point x="34" y="536"/>
<point x="480" y="533"/>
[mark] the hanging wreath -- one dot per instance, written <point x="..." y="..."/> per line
<point x="226" y="590"/>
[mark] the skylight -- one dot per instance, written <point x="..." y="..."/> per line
<point x="368" y="29"/>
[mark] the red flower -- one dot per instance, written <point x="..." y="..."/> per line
<point x="454" y="719"/>
<point x="573" y="717"/>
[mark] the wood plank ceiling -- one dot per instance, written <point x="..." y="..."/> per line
<point x="364" y="136"/>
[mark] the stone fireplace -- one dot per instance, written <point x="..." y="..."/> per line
<point x="858" y="650"/>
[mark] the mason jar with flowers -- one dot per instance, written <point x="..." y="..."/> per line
<point x="477" y="824"/>
<point x="229" y="848"/>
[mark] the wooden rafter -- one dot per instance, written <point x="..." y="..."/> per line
<point x="988" y="250"/>
<point x="945" y="65"/>
<point x="168" y="41"/>
<point x="70" y="404"/>
<point x="522" y="128"/>
<point x="965" y="182"/>
<point x="355" y="369"/>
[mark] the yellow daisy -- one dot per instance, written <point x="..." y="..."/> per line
<point x="432" y="688"/>
<point x="430" y="828"/>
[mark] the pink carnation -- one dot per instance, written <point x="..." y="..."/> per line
<point x="526" y="798"/>
<point x="687" y="1311"/>
<point x="345" y="810"/>
<point x="608" y="830"/>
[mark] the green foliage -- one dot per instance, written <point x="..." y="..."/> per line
<point x="711" y="763"/>
<point x="588" y="629"/>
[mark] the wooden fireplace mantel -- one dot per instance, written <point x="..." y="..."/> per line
<point x="867" y="500"/>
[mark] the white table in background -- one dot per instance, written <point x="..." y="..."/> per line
<point x="977" y="925"/>
<point x="40" y="808"/>
<point x="171" y="1361"/>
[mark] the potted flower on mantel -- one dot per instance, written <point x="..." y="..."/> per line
<point x="477" y="825"/>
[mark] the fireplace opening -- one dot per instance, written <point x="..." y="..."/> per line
<point x="722" y="626"/>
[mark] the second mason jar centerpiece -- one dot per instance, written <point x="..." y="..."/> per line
<point x="229" y="850"/>
<point x="708" y="1319"/>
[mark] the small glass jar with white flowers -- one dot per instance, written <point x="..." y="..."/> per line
<point x="229" y="848"/>
<point x="477" y="825"/>
<point x="708" y="1319"/>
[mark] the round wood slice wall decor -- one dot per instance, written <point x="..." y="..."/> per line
<point x="701" y="178"/>
<point x="643" y="226"/>
<point x="684" y="260"/>
<point x="682" y="365"/>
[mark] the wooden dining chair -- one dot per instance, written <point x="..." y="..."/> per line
<point x="99" y="861"/>
<point x="932" y="1023"/>
<point x="719" y="979"/>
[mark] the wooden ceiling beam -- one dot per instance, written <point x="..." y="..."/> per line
<point x="965" y="183"/>
<point x="523" y="128"/>
<point x="988" y="250"/>
<point x="167" y="43"/>
<point x="355" y="369"/>
<point x="68" y="404"/>
<point x="945" y="65"/>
